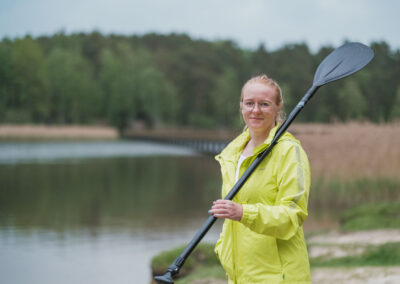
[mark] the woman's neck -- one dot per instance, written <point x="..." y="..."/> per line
<point x="257" y="138"/>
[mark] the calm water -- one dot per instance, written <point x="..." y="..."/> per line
<point x="91" y="212"/>
<point x="97" y="212"/>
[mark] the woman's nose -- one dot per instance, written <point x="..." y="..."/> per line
<point x="256" y="108"/>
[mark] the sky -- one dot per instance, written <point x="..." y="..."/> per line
<point x="250" y="23"/>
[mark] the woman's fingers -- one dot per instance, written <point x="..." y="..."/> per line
<point x="226" y="209"/>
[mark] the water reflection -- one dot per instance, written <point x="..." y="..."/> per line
<point x="99" y="220"/>
<point x="51" y="151"/>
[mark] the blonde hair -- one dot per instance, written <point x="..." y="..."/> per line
<point x="265" y="80"/>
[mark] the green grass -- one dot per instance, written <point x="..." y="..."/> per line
<point x="202" y="258"/>
<point x="372" y="216"/>
<point x="214" y="271"/>
<point x="385" y="255"/>
<point x="336" y="194"/>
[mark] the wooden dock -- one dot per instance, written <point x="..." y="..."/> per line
<point x="204" y="141"/>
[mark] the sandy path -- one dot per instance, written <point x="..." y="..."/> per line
<point x="359" y="275"/>
<point x="336" y="244"/>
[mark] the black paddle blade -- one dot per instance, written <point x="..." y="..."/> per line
<point x="342" y="62"/>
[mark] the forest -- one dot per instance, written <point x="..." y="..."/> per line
<point x="175" y="80"/>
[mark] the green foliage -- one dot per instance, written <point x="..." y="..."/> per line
<point x="385" y="255"/>
<point x="175" y="80"/>
<point x="352" y="104"/>
<point x="203" y="257"/>
<point x="30" y="82"/>
<point x="74" y="95"/>
<point x="372" y="216"/>
<point x="203" y="272"/>
<point x="226" y="96"/>
<point x="395" y="113"/>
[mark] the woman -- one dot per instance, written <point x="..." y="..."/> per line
<point x="262" y="239"/>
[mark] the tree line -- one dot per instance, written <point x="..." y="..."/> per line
<point x="174" y="80"/>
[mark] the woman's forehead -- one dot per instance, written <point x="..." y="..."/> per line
<point x="259" y="91"/>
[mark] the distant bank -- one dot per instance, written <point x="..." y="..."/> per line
<point x="73" y="132"/>
<point x="45" y="132"/>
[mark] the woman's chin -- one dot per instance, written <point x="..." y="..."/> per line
<point x="259" y="128"/>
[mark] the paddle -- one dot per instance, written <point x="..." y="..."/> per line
<point x="342" y="62"/>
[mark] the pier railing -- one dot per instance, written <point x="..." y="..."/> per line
<point x="204" y="141"/>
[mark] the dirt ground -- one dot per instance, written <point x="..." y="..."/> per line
<point x="359" y="275"/>
<point x="337" y="244"/>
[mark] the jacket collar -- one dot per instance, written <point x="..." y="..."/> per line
<point x="235" y="148"/>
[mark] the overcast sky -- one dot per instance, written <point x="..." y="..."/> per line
<point x="247" y="22"/>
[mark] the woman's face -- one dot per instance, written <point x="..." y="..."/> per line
<point x="259" y="108"/>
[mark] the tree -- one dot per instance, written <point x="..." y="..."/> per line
<point x="6" y="80"/>
<point x="135" y="88"/>
<point x="30" y="97"/>
<point x="75" y="96"/>
<point x="226" y="98"/>
<point x="395" y="111"/>
<point x="352" y="104"/>
<point x="380" y="90"/>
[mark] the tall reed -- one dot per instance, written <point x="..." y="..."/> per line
<point x="351" y="163"/>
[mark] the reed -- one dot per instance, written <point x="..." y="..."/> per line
<point x="351" y="164"/>
<point x="352" y="150"/>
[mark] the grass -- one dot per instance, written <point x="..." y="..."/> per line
<point x="372" y="216"/>
<point x="384" y="255"/>
<point x="201" y="262"/>
<point x="215" y="272"/>
<point x="343" y="194"/>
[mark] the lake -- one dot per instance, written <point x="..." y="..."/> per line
<point x="97" y="212"/>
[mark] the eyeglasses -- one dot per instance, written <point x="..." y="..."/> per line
<point x="250" y="105"/>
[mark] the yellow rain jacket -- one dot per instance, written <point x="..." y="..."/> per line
<point x="267" y="245"/>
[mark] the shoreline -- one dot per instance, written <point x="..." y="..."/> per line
<point x="46" y="132"/>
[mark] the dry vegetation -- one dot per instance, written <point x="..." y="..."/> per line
<point x="348" y="151"/>
<point x="8" y="132"/>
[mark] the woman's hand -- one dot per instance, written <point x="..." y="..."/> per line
<point x="226" y="209"/>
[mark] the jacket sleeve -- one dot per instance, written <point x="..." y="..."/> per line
<point x="283" y="219"/>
